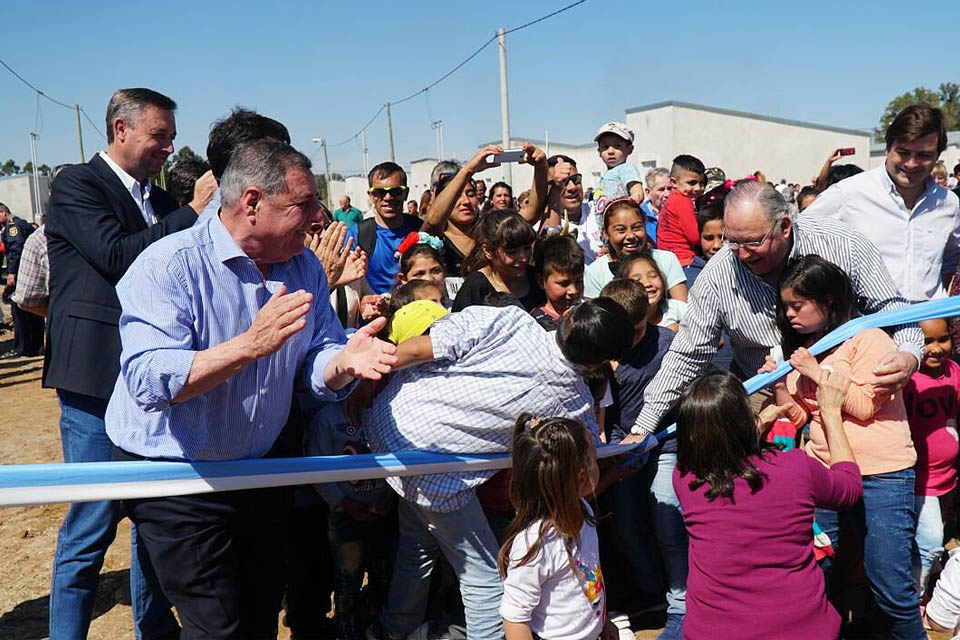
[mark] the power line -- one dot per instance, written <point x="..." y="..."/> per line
<point x="24" y="81"/>
<point x="92" y="123"/>
<point x="362" y="129"/>
<point x="454" y="70"/>
<point x="541" y="19"/>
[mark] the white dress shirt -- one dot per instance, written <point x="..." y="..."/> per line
<point x="139" y="192"/>
<point x="917" y="246"/>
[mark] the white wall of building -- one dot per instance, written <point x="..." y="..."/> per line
<point x="741" y="143"/>
<point x="353" y="186"/>
<point x="17" y="193"/>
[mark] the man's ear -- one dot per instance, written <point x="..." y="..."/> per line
<point x="250" y="202"/>
<point x="673" y="182"/>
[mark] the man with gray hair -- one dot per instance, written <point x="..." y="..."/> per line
<point x="216" y="323"/>
<point x="102" y="214"/>
<point x="737" y="292"/>
<point x="656" y="190"/>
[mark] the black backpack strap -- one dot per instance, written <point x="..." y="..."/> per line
<point x="342" y="306"/>
<point x="367" y="235"/>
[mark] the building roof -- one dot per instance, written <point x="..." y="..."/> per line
<point x="541" y="143"/>
<point x="953" y="138"/>
<point x="745" y="114"/>
<point x="433" y="160"/>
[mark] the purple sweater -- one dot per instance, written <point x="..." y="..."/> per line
<point x="752" y="571"/>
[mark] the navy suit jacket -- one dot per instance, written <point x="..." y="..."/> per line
<point x="94" y="233"/>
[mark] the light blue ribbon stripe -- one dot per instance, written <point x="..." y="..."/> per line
<point x="44" y="478"/>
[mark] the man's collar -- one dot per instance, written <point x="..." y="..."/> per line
<point x="929" y="184"/>
<point x="129" y="182"/>
<point x="224" y="245"/>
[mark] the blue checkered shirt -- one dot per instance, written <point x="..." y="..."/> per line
<point x="490" y="366"/>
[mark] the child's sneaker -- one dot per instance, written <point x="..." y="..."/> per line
<point x="622" y="622"/>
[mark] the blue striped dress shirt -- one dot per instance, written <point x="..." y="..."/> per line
<point x="191" y="291"/>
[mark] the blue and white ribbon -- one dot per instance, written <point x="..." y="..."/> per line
<point x="89" y="481"/>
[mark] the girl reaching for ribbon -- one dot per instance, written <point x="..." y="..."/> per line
<point x="816" y="297"/>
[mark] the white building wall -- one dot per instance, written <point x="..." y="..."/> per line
<point x="742" y="144"/>
<point x="17" y="193"/>
<point x="951" y="157"/>
<point x="355" y="187"/>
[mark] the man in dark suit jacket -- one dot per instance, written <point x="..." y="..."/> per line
<point x="101" y="216"/>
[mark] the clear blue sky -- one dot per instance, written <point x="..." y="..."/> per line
<point x="324" y="68"/>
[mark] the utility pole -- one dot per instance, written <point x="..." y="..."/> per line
<point x="326" y="165"/>
<point x="504" y="102"/>
<point x="546" y="141"/>
<point x="76" y="110"/>
<point x="363" y="143"/>
<point x="393" y="156"/>
<point x="326" y="169"/>
<point x="438" y="127"/>
<point x="36" y="179"/>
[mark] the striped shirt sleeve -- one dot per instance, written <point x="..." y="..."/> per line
<point x="689" y="355"/>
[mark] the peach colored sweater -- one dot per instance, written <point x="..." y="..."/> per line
<point x="876" y="425"/>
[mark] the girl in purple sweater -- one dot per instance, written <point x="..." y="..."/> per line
<point x="748" y="506"/>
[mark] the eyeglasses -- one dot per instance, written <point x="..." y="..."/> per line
<point x="576" y="178"/>
<point x="751" y="245"/>
<point x="395" y="192"/>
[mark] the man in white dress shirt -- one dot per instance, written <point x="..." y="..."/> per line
<point x="912" y="221"/>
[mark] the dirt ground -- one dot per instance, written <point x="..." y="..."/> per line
<point x="29" y="434"/>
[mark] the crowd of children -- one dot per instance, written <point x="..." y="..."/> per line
<point x="715" y="527"/>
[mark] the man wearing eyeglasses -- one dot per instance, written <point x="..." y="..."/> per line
<point x="737" y="292"/>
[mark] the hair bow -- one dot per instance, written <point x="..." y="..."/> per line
<point x="414" y="238"/>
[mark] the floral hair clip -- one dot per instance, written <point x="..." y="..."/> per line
<point x="414" y="238"/>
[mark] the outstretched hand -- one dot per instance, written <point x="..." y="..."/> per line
<point x="479" y="162"/>
<point x="894" y="371"/>
<point x="533" y="155"/>
<point x="831" y="391"/>
<point x="365" y="355"/>
<point x="770" y="413"/>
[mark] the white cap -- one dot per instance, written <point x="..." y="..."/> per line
<point x="616" y="128"/>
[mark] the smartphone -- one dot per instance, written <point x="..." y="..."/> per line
<point x="510" y="155"/>
<point x="847" y="151"/>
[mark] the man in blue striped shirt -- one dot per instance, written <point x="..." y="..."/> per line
<point x="216" y="323"/>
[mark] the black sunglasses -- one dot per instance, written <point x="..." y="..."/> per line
<point x="395" y="192"/>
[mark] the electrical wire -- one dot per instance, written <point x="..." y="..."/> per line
<point x="24" y="81"/>
<point x="92" y="123"/>
<point x="473" y="55"/>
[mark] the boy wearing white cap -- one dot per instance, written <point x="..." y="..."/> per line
<point x="614" y="144"/>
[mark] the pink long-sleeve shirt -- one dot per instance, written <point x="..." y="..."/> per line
<point x="876" y="424"/>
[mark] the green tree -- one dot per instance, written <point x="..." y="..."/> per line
<point x="44" y="170"/>
<point x="322" y="184"/>
<point x="27" y="168"/>
<point x="947" y="98"/>
<point x="9" y="168"/>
